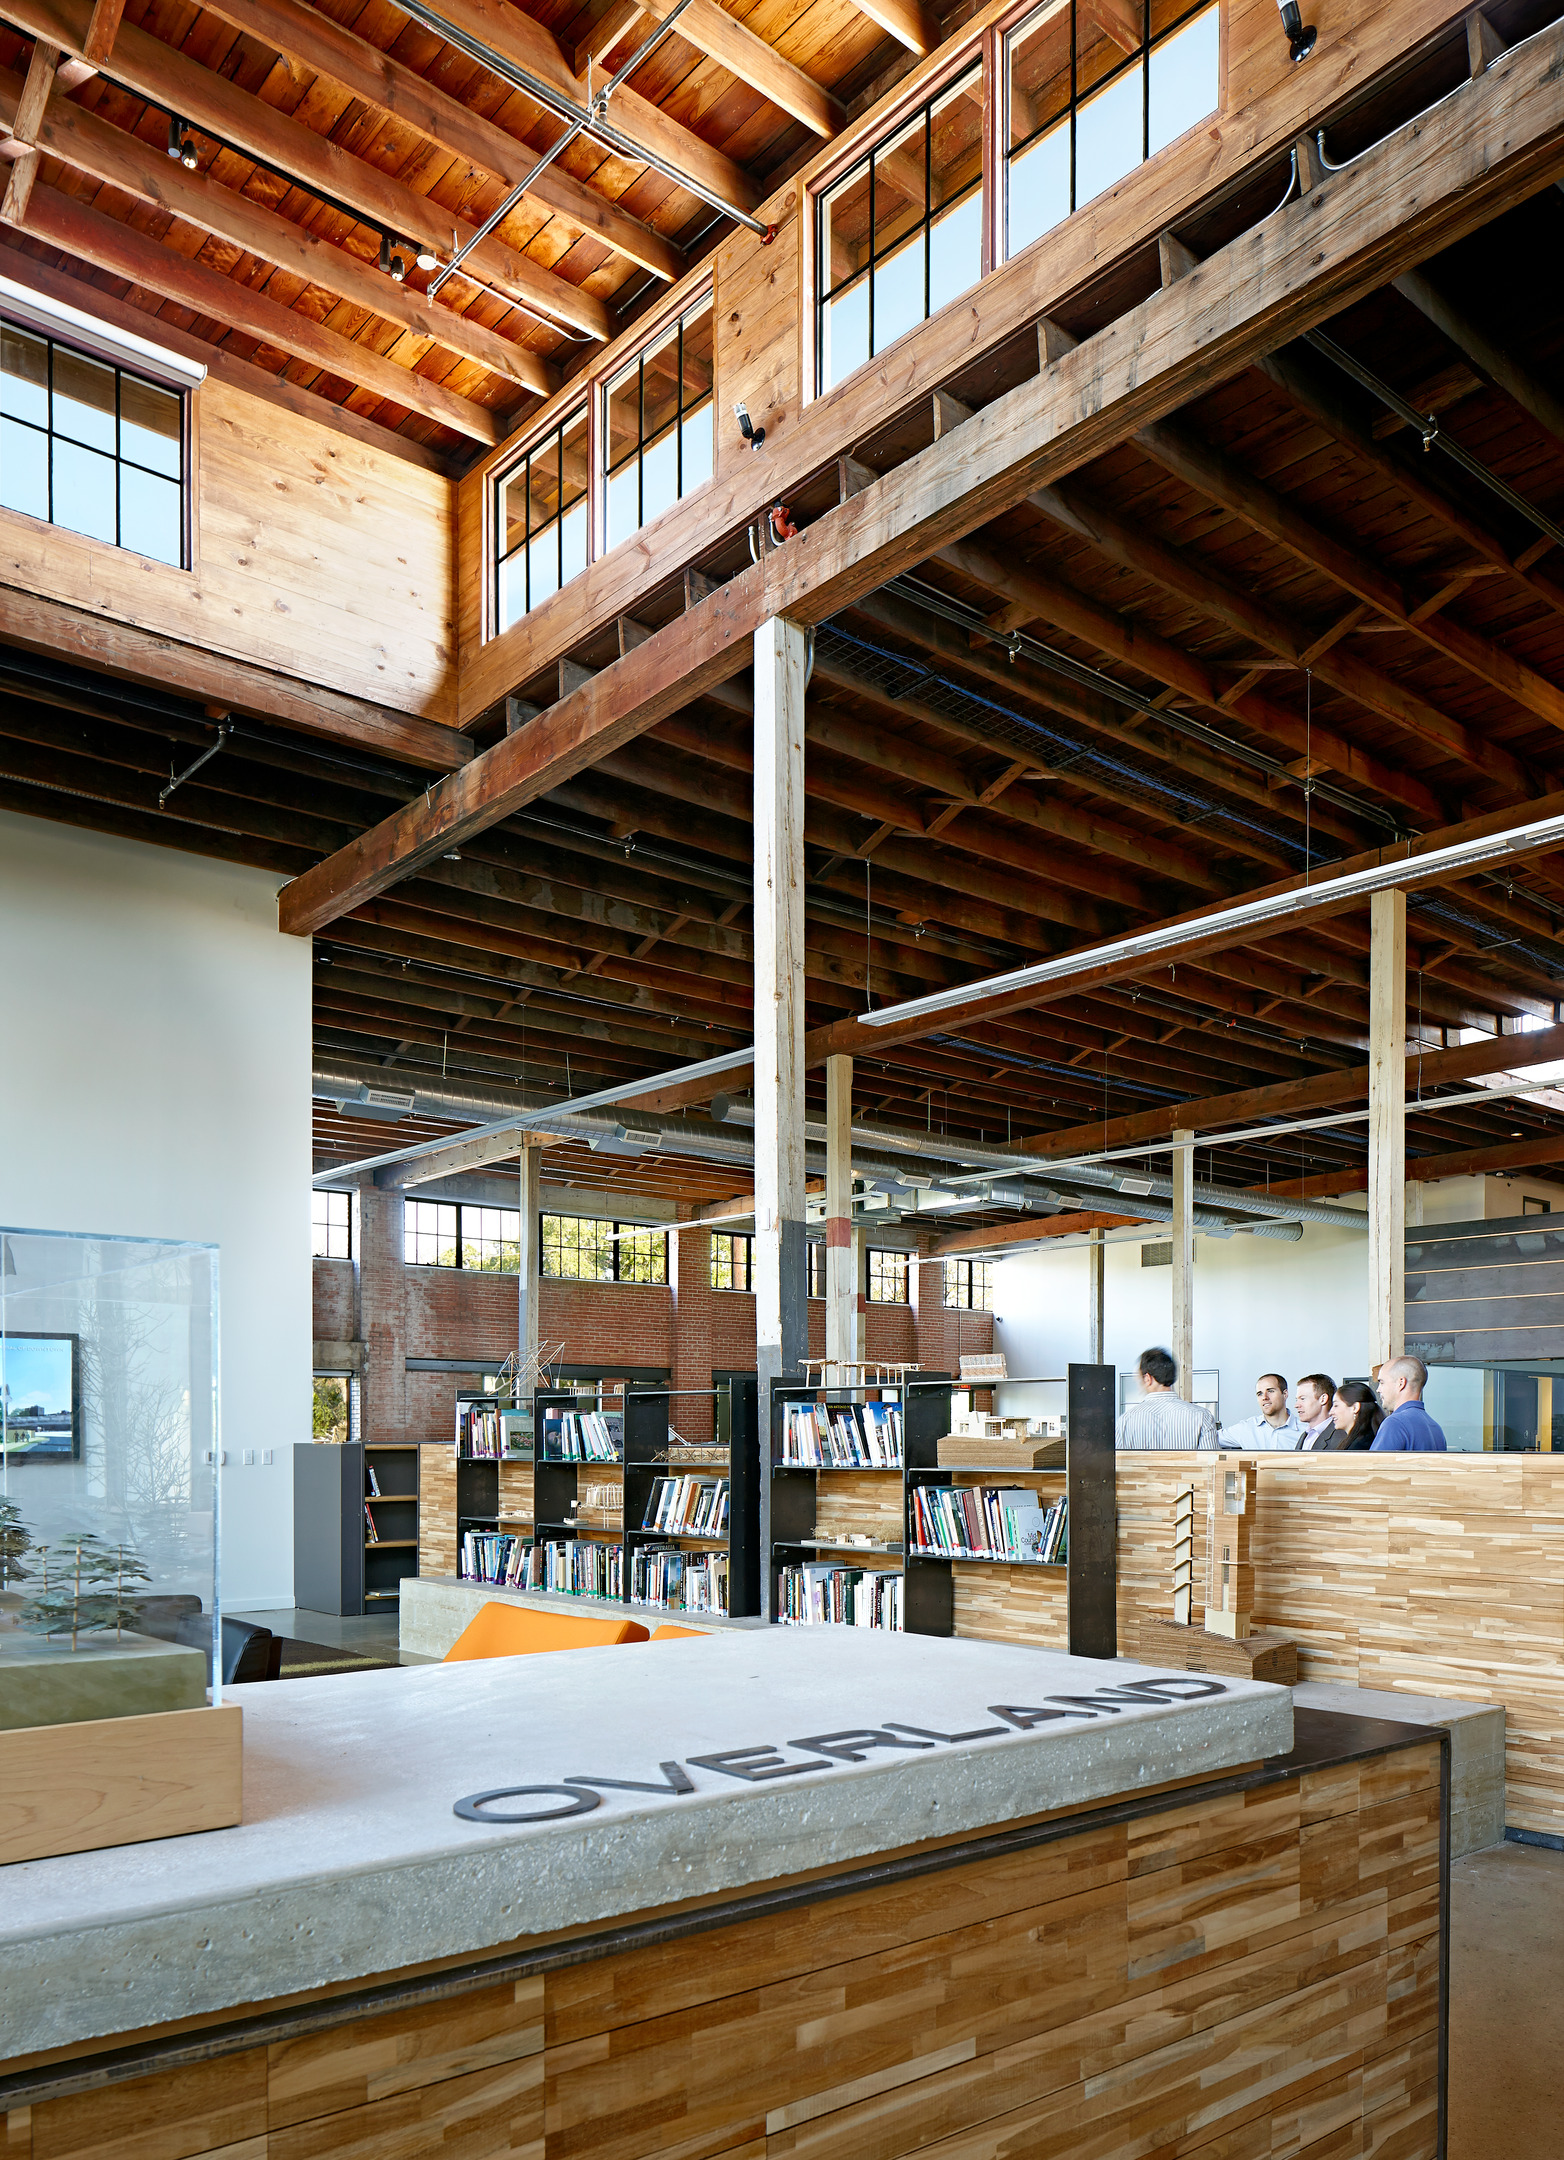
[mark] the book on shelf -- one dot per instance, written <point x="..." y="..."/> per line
<point x="574" y="1567"/>
<point x="371" y="1533"/>
<point x="685" y="1582"/>
<point x="583" y="1435"/>
<point x="374" y="1482"/>
<point x="988" y="1522"/>
<point x="842" y="1436"/>
<point x="478" y="1430"/>
<point x="688" y="1507"/>
<point x="516" y="1434"/>
<point x="826" y="1594"/>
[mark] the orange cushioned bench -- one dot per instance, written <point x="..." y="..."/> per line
<point x="522" y="1631"/>
<point x="668" y="1631"/>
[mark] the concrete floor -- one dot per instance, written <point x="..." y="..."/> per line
<point x="1506" y="1982"/>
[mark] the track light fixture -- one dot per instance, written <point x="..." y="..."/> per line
<point x="753" y="435"/>
<point x="1301" y="36"/>
<point x="394" y="265"/>
<point x="181" y="143"/>
<point x="426" y="258"/>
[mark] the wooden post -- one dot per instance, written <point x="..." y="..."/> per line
<point x="781" y="1260"/>
<point x="841" y="1285"/>
<point x="1387" y="1126"/>
<point x="1183" y="1343"/>
<point x="529" y="1265"/>
<point x="1096" y="1286"/>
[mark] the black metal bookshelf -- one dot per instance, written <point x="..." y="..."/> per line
<point x="1088" y="1574"/>
<point x="338" y="1566"/>
<point x="641" y="1415"/>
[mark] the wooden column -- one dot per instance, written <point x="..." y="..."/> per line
<point x="529" y="1262"/>
<point x="781" y="1259"/>
<point x="841" y="1288"/>
<point x="1183" y="1343"/>
<point x="1096" y="1296"/>
<point x="1387" y="1126"/>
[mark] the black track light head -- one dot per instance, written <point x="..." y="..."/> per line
<point x="187" y="154"/>
<point x="175" y="136"/>
<point x="1301" y="36"/>
<point x="393" y="264"/>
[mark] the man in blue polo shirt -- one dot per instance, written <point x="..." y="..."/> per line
<point x="1407" y="1424"/>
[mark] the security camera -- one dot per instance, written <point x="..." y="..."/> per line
<point x="1301" y="36"/>
<point x="753" y="435"/>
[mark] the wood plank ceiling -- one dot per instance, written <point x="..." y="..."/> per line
<point x="1266" y="635"/>
<point x="314" y="131"/>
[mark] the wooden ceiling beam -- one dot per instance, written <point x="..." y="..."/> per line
<point x="1493" y="361"/>
<point x="206" y="676"/>
<point x="209" y="102"/>
<point x="1422" y="1169"/>
<point x="1398" y="598"/>
<point x="713" y="31"/>
<point x="1183" y="572"/>
<point x="59" y="221"/>
<point x="314" y="40"/>
<point x="907" y="21"/>
<point x="1489" y="140"/>
<point x="528" y="45"/>
<point x="92" y="145"/>
<point x="1054" y="601"/>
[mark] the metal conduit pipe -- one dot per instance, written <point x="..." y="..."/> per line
<point x="981" y="1155"/>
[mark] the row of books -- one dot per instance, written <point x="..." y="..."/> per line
<point x="842" y="1436"/>
<point x="583" y="1436"/>
<point x="579" y="1567"/>
<point x="816" y="1595"/>
<point x="691" y="1506"/>
<point x="988" y="1522"/>
<point x="478" y="1430"/>
<point x="688" y="1582"/>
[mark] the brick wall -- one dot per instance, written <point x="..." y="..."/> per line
<point x="685" y="1328"/>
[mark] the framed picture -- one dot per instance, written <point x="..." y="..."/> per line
<point x="40" y="1391"/>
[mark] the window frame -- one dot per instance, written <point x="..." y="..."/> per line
<point x="704" y="297"/>
<point x="954" y="1269"/>
<point x="888" y="1252"/>
<point x="500" y="479"/>
<point x="107" y="352"/>
<point x="733" y="1239"/>
<point x="621" y="1237"/>
<point x="592" y="386"/>
<point x="986" y="44"/>
<point x="328" y="1193"/>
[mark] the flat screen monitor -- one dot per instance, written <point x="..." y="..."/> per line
<point x="40" y="1398"/>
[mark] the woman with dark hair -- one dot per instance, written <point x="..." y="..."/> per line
<point x="1356" y="1414"/>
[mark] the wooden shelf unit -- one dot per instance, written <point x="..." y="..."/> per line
<point x="538" y="1495"/>
<point x="1083" y="1585"/>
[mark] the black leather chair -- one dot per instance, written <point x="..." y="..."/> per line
<point x="249" y="1652"/>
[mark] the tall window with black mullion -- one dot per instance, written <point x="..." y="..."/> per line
<point x="901" y="233"/>
<point x="1094" y="90"/>
<point x="90" y="446"/>
<point x="542" y="520"/>
<point x="657" y="431"/>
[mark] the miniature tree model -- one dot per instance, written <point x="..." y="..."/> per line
<point x="15" y="1540"/>
<point x="84" y="1589"/>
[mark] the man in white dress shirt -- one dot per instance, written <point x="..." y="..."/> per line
<point x="1162" y="1419"/>
<point x="1272" y="1426"/>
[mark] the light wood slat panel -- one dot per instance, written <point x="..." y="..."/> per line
<point x="436" y="1509"/>
<point x="491" y="2115"/>
<point x="867" y="1502"/>
<point x="377" y="2058"/>
<point x="177" y="2115"/>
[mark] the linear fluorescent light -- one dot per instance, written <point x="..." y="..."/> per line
<point x="57" y="318"/>
<point x="1247" y="915"/>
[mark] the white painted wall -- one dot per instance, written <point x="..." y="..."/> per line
<point x="172" y="1099"/>
<point x="1260" y="1305"/>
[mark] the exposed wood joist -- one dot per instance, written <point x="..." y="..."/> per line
<point x="124" y="252"/>
<point x="1493" y="361"/>
<point x="206" y="676"/>
<point x="313" y="39"/>
<point x="1466" y="1162"/>
<point x="24" y="118"/>
<point x="210" y="102"/>
<point x="93" y="146"/>
<point x="1498" y="136"/>
<point x="1071" y="1222"/>
<point x="713" y="31"/>
<point x="908" y="21"/>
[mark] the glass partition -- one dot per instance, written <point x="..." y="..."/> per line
<point x="109" y="1463"/>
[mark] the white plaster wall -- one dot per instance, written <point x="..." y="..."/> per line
<point x="174" y="1102"/>
<point x="1260" y="1305"/>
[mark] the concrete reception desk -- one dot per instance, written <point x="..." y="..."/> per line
<point x="816" y="1892"/>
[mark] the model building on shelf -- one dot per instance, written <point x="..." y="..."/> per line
<point x="1229" y="1570"/>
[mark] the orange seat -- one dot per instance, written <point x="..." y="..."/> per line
<point x="523" y="1631"/>
<point x="667" y="1632"/>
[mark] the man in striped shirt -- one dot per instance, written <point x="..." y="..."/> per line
<point x="1162" y="1419"/>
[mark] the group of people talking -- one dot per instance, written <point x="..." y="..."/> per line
<point x="1322" y="1415"/>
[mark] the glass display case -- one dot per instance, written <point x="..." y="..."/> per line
<point x="109" y="1477"/>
